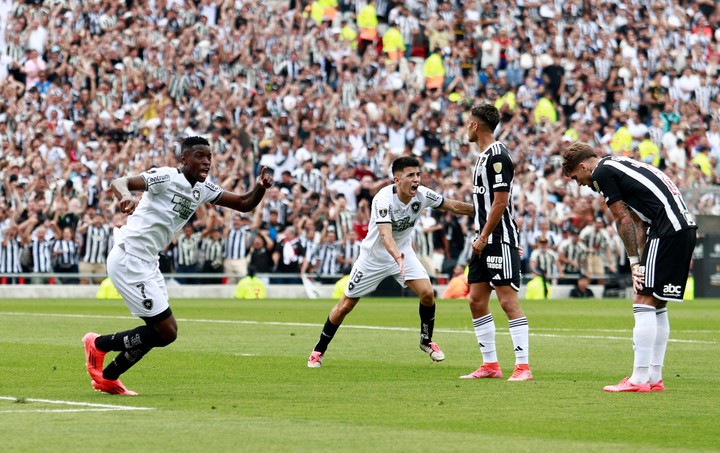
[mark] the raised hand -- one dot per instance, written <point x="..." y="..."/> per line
<point x="265" y="179"/>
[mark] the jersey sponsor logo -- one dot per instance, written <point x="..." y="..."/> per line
<point x="494" y="262"/>
<point x="479" y="189"/>
<point x="432" y="196"/>
<point x="402" y="224"/>
<point x="415" y="206"/>
<point x="383" y="212"/>
<point x="502" y="184"/>
<point x="196" y="194"/>
<point x="212" y="186"/>
<point x="497" y="166"/>
<point x="498" y="178"/>
<point x="182" y="207"/>
<point x="157" y="179"/>
<point x="671" y="290"/>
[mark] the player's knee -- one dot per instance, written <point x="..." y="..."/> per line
<point x="346" y="305"/>
<point x="427" y="298"/>
<point x="167" y="335"/>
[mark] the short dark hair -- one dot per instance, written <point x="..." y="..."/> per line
<point x="401" y="163"/>
<point x="575" y="154"/>
<point x="488" y="114"/>
<point x="191" y="142"/>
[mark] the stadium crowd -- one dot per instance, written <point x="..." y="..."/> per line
<point x="325" y="94"/>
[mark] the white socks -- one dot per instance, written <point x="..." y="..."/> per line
<point x="485" y="333"/>
<point x="644" y="334"/>
<point x="519" y="331"/>
<point x="661" y="341"/>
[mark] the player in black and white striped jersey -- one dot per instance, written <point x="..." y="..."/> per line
<point x="495" y="263"/>
<point x="659" y="234"/>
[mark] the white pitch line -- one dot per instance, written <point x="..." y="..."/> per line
<point x="384" y="328"/>
<point x="87" y="407"/>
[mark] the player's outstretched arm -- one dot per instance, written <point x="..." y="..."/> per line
<point x="122" y="188"/>
<point x="457" y="207"/>
<point x="248" y="201"/>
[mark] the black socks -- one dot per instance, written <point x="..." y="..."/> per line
<point x="427" y="323"/>
<point x="326" y="336"/>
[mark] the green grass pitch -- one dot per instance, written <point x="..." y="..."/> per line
<point x="236" y="380"/>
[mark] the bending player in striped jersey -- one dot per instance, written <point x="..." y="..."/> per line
<point x="659" y="235"/>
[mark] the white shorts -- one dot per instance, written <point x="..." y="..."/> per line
<point x="368" y="272"/>
<point x="139" y="282"/>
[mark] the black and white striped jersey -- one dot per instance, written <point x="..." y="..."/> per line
<point x="494" y="172"/>
<point x="11" y="256"/>
<point x="96" y="244"/>
<point x="647" y="191"/>
<point x="237" y="243"/>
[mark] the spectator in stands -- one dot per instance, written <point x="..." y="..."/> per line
<point x="66" y="253"/>
<point x="212" y="247"/>
<point x="96" y="238"/>
<point x="261" y="254"/>
<point x="237" y="246"/>
<point x="187" y="247"/>
<point x="119" y="108"/>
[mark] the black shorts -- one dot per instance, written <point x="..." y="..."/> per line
<point x="666" y="262"/>
<point x="499" y="265"/>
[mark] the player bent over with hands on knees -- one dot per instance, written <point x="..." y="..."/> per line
<point x="172" y="195"/>
<point x="659" y="235"/>
<point x="495" y="262"/>
<point x="387" y="251"/>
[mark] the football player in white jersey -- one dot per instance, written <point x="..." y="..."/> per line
<point x="387" y="251"/>
<point x="172" y="195"/>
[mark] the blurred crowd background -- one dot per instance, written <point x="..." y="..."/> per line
<point x="326" y="94"/>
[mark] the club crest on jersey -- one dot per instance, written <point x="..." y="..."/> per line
<point x="196" y="194"/>
<point x="382" y="212"/>
<point x="415" y="207"/>
<point x="497" y="166"/>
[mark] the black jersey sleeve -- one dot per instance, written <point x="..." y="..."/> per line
<point x="606" y="182"/>
<point x="501" y="172"/>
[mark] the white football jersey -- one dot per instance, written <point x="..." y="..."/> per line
<point x="165" y="207"/>
<point x="388" y="209"/>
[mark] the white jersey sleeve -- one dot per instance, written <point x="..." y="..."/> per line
<point x="430" y="198"/>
